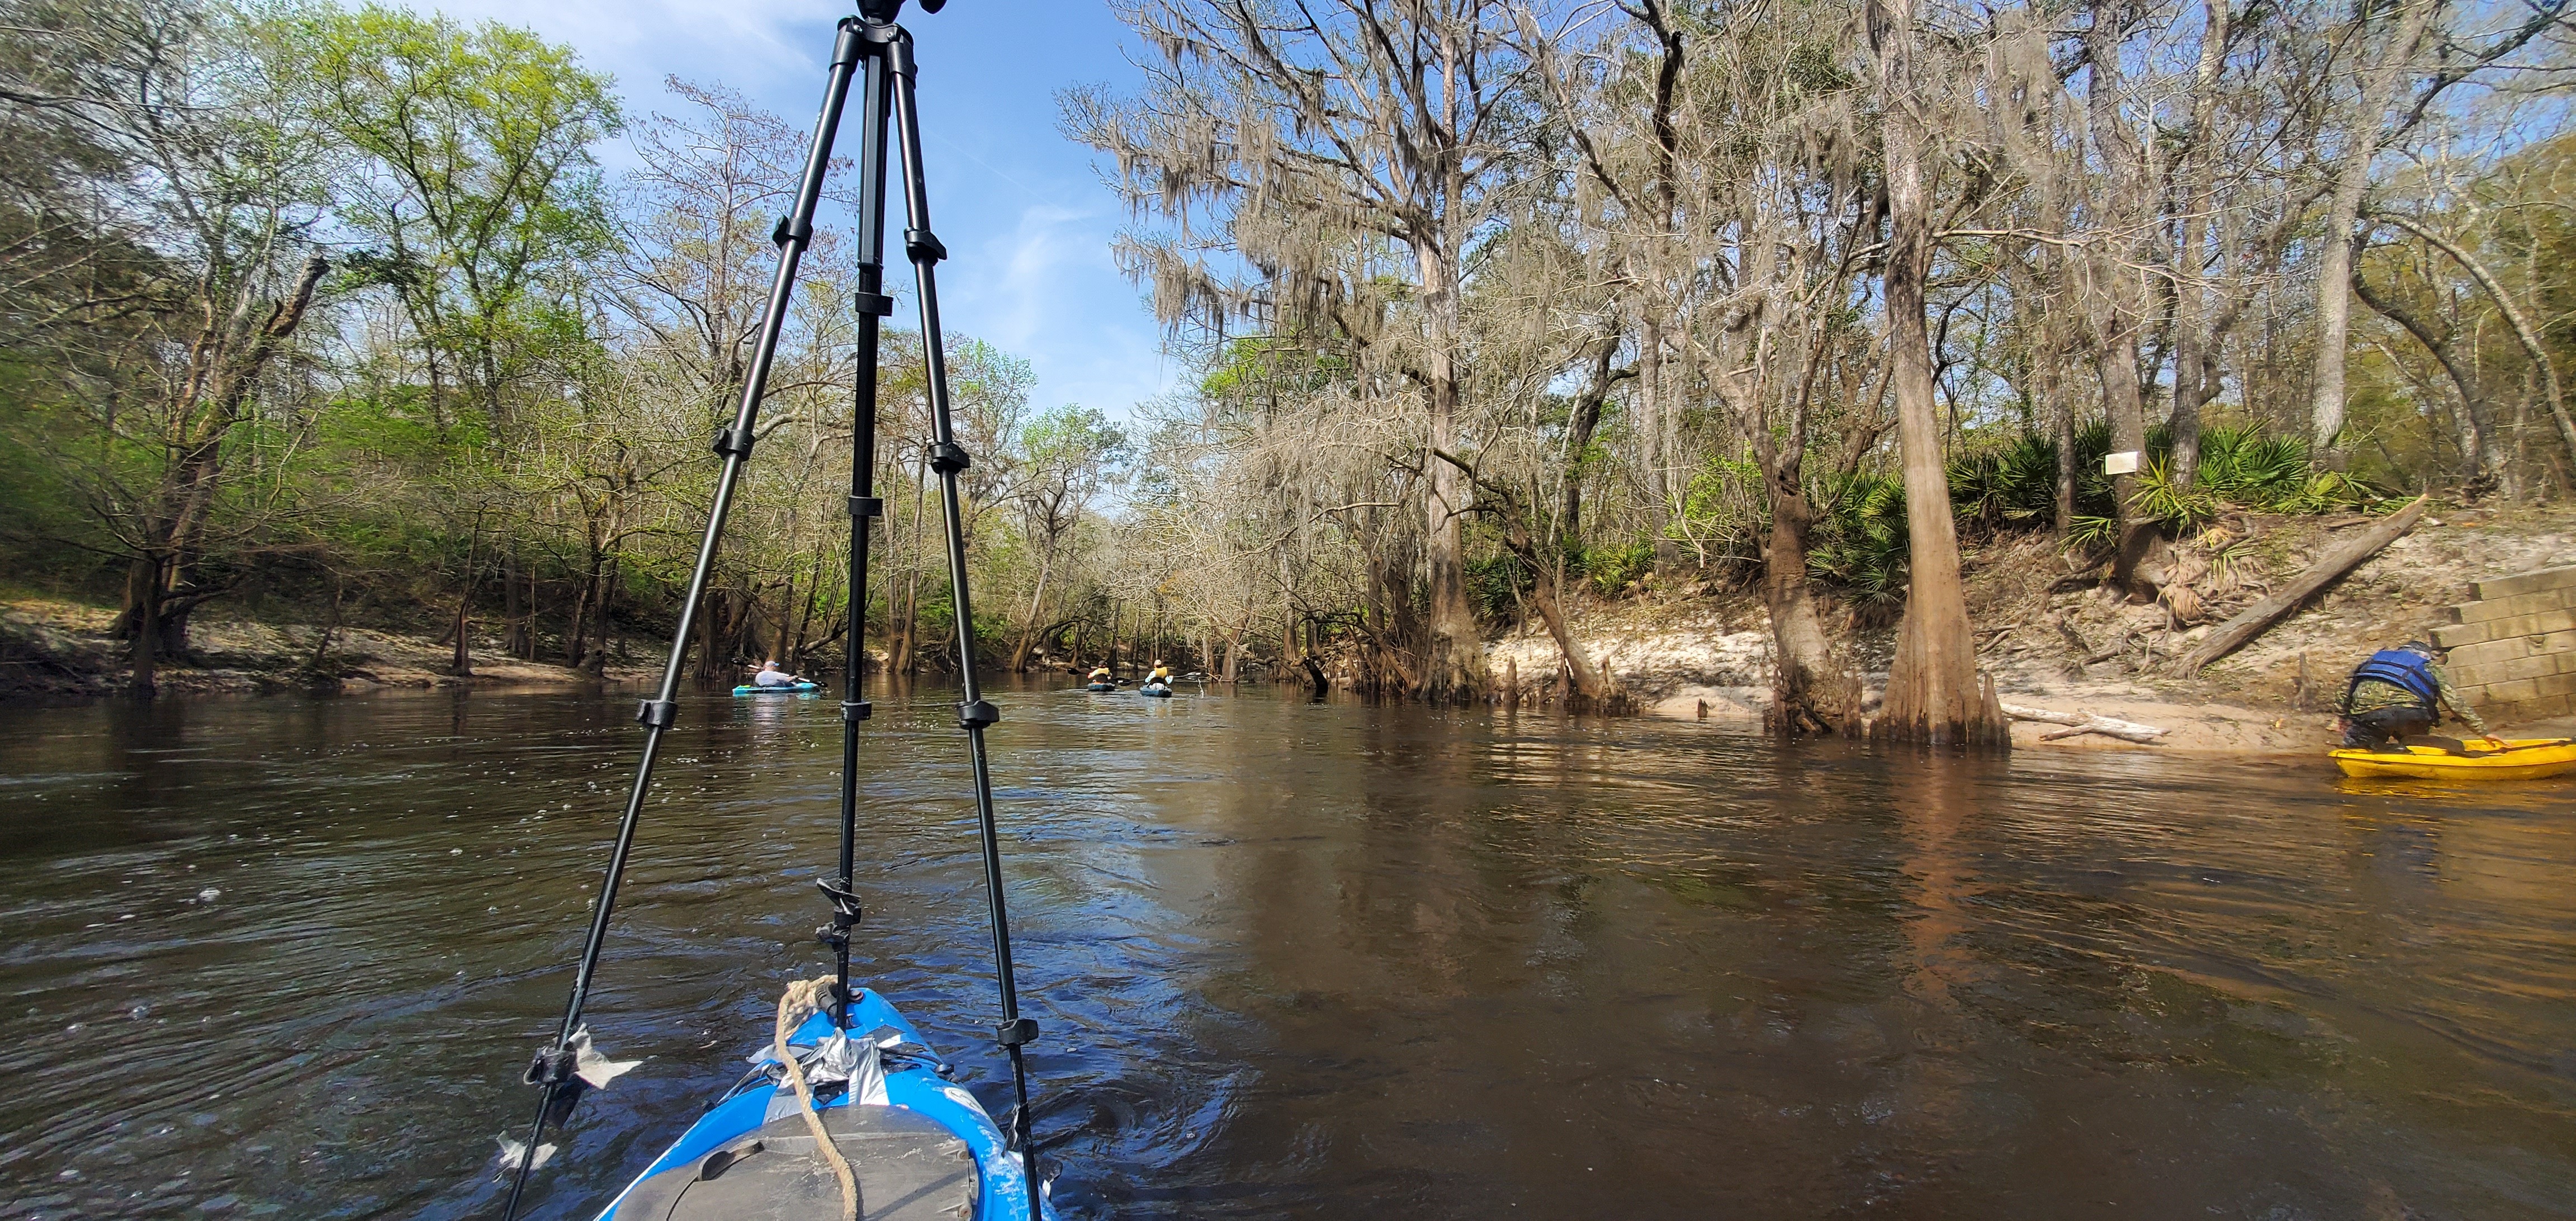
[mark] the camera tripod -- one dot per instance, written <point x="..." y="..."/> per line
<point x="877" y="53"/>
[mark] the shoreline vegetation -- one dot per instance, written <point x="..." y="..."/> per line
<point x="1882" y="368"/>
<point x="2052" y="640"/>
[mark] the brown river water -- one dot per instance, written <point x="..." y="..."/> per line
<point x="286" y="957"/>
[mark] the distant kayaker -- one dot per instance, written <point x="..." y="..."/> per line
<point x="2400" y="693"/>
<point x="1100" y="674"/>
<point x="771" y="676"/>
<point x="1162" y="675"/>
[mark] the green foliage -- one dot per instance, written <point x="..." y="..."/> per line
<point x="2250" y="466"/>
<point x="2258" y="470"/>
<point x="480" y="182"/>
<point x="1495" y="584"/>
<point x="1615" y="568"/>
<point x="1724" y="503"/>
<point x="1260" y="367"/>
<point x="1859" y="542"/>
<point x="2014" y="486"/>
<point x="2177" y="509"/>
<point x="1074" y="436"/>
<point x="1817" y="68"/>
<point x="2226" y="553"/>
<point x="2335" y="491"/>
<point x="2093" y="530"/>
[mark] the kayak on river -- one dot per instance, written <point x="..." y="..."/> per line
<point x="1158" y="691"/>
<point x="1102" y="687"/>
<point x="918" y="1145"/>
<point x="779" y="689"/>
<point x="2523" y="759"/>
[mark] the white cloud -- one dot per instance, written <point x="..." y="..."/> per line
<point x="1050" y="291"/>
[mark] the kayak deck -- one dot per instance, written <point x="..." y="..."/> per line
<point x="926" y="1151"/>
<point x="2526" y="759"/>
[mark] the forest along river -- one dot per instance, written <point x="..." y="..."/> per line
<point x="287" y="957"/>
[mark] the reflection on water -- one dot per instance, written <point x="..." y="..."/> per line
<point x="286" y="957"/>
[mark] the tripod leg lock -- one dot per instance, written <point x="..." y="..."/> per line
<point x="857" y="710"/>
<point x="866" y="506"/>
<point x="845" y="913"/>
<point x="948" y="457"/>
<point x="878" y="304"/>
<point x="733" y="442"/>
<point x="558" y="1069"/>
<point x="657" y="714"/>
<point x="922" y="246"/>
<point x="1015" y="1032"/>
<point x="977" y="714"/>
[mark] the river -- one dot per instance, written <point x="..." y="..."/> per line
<point x="286" y="957"/>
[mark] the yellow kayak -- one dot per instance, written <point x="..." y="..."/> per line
<point x="2522" y="759"/>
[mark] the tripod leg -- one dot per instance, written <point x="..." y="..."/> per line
<point x="660" y="712"/>
<point x="973" y="712"/>
<point x="872" y="304"/>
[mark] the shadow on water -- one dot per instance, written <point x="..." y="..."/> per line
<point x="286" y="957"/>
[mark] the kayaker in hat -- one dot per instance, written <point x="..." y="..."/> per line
<point x="1162" y="675"/>
<point x="1100" y="674"/>
<point x="2400" y="693"/>
<point x="771" y="676"/>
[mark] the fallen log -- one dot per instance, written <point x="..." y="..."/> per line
<point x="2079" y="723"/>
<point x="2257" y="619"/>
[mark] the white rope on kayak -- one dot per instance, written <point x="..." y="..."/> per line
<point x="803" y="999"/>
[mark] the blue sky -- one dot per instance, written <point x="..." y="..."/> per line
<point x="1026" y="220"/>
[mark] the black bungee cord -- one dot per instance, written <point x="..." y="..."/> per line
<point x="873" y="47"/>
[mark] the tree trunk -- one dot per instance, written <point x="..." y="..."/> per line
<point x="1651" y="409"/>
<point x="2196" y="345"/>
<point x="514" y="611"/>
<point x="1581" y="423"/>
<point x="1932" y="690"/>
<point x="143" y="594"/>
<point x="1590" y="689"/>
<point x="2065" y="467"/>
<point x="577" y="629"/>
<point x="1288" y="651"/>
<point x="901" y="641"/>
<point x="1813" y="690"/>
<point x="330" y="628"/>
<point x="597" y="661"/>
<point x="2116" y="294"/>
<point x="2379" y="83"/>
<point x="1020" y="653"/>
<point x="462" y="665"/>
<point x="2123" y="402"/>
<point x="1453" y="669"/>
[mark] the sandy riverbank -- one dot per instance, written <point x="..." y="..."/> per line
<point x="52" y="646"/>
<point x="2051" y="641"/>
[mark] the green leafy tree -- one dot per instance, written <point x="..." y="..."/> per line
<point x="189" y="129"/>
<point x="477" y="185"/>
<point x="1067" y="456"/>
